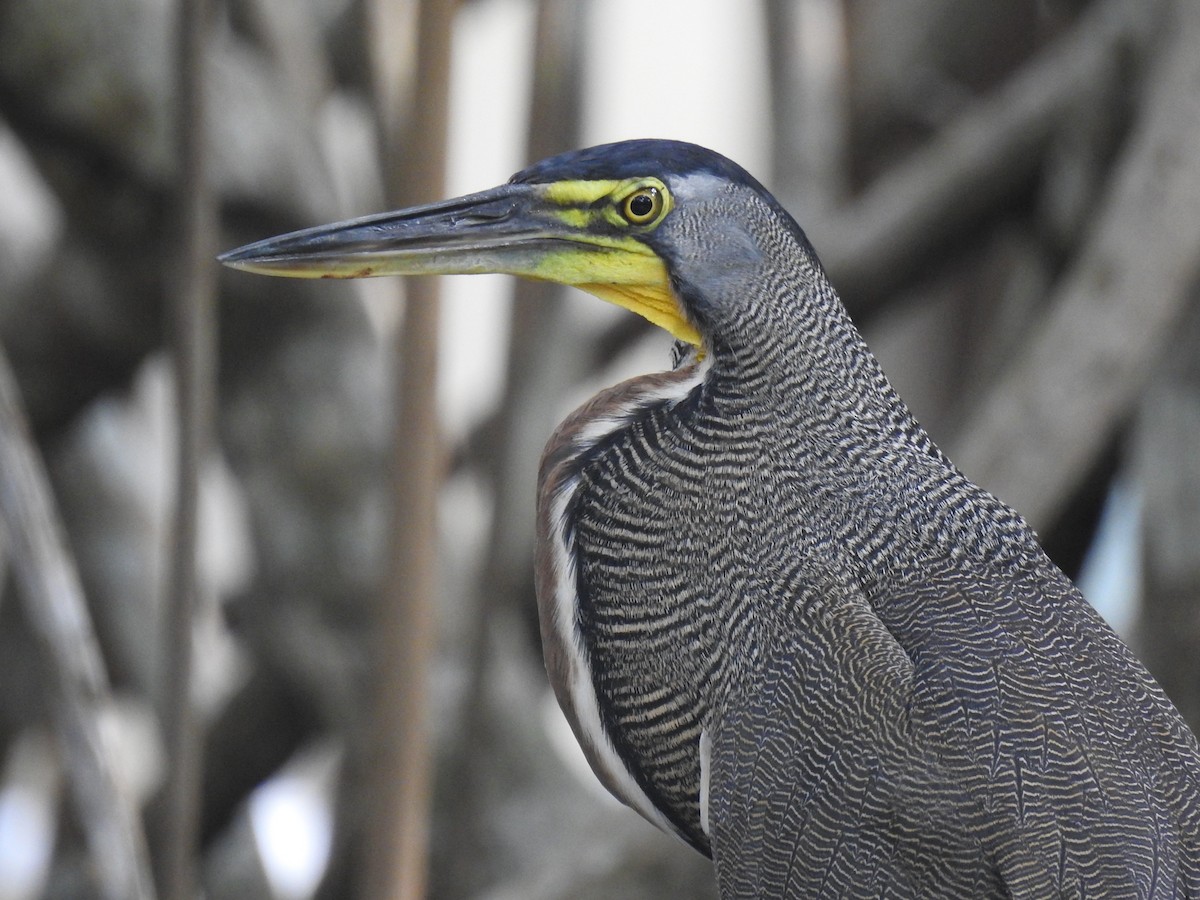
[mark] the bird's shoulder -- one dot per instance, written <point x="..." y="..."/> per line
<point x="819" y="784"/>
<point x="983" y="726"/>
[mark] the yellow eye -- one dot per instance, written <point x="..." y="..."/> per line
<point x="642" y="206"/>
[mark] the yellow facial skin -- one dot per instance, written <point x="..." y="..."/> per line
<point x="581" y="233"/>
<point x="629" y="274"/>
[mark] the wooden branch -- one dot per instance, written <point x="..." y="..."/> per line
<point x="1042" y="425"/>
<point x="877" y="241"/>
<point x="807" y="49"/>
<point x="58" y="615"/>
<point x="539" y="361"/>
<point x="194" y="351"/>
<point x="400" y="779"/>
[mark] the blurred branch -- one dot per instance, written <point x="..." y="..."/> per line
<point x="1034" y="436"/>
<point x="806" y="42"/>
<point x="538" y="354"/>
<point x="400" y="780"/>
<point x="58" y="614"/>
<point x="194" y="351"/>
<point x="871" y="245"/>
<point x="293" y="39"/>
<point x="1167" y="470"/>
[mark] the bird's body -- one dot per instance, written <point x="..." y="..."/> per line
<point x="784" y="626"/>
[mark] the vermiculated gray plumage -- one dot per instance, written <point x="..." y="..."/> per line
<point x="780" y="622"/>
<point x="904" y="696"/>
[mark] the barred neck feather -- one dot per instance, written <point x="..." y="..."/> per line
<point x="568" y="663"/>
<point x="780" y="335"/>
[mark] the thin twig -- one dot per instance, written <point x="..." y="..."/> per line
<point x="194" y="351"/>
<point x="59" y="617"/>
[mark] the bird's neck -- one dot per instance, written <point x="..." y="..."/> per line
<point x="846" y="442"/>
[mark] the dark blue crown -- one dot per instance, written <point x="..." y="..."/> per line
<point x="631" y="159"/>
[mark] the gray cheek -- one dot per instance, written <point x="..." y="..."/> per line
<point x="717" y="263"/>
<point x="730" y="262"/>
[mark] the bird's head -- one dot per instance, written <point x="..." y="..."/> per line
<point x="662" y="228"/>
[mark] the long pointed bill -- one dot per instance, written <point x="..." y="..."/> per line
<point x="515" y="229"/>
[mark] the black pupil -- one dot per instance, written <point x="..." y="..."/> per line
<point x="641" y="205"/>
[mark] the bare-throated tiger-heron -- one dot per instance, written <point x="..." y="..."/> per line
<point x="782" y="625"/>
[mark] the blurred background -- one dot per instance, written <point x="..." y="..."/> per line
<point x="1005" y="192"/>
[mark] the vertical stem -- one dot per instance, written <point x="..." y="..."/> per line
<point x="58" y="615"/>
<point x="807" y="47"/>
<point x="193" y="347"/>
<point x="535" y="344"/>
<point x="398" y="831"/>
